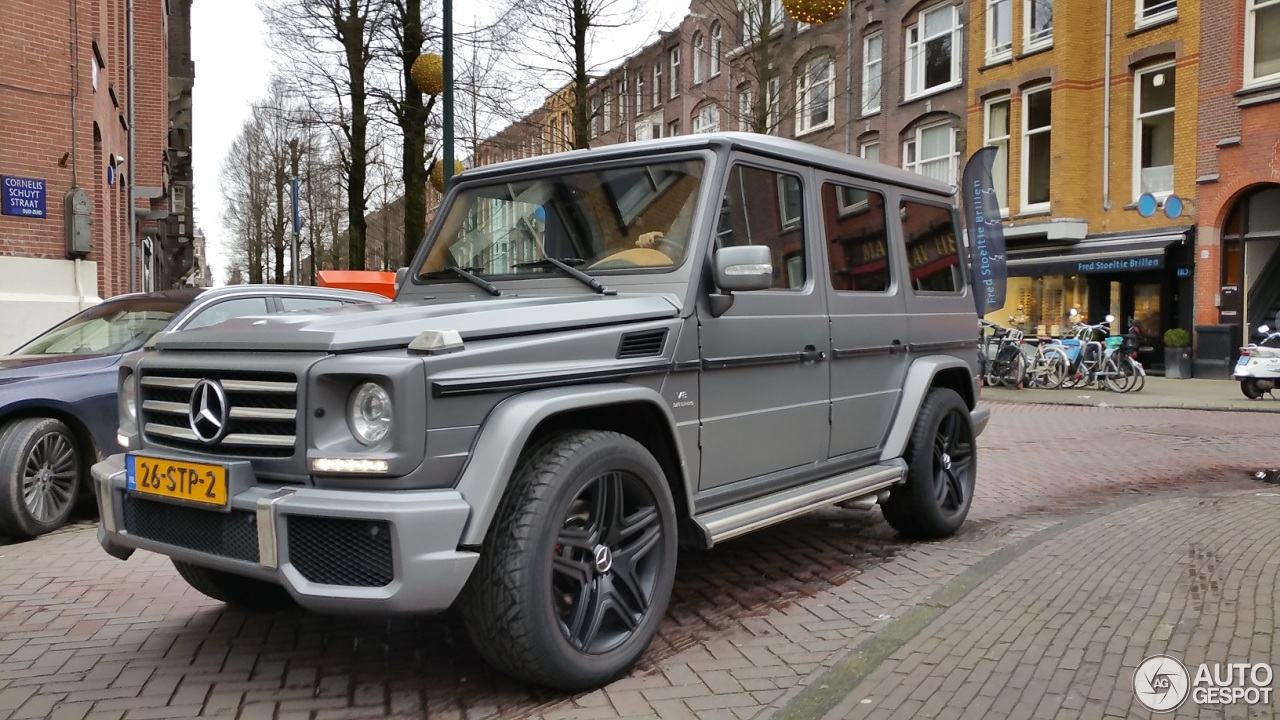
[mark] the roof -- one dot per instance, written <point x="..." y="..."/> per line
<point x="781" y="148"/>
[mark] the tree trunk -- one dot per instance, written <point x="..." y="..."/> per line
<point x="413" y="122"/>
<point x="353" y="41"/>
<point x="581" y="80"/>
<point x="277" y="227"/>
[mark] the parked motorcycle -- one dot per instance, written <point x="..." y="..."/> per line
<point x="1258" y="368"/>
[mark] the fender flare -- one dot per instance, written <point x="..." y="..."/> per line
<point x="919" y="379"/>
<point x="507" y="429"/>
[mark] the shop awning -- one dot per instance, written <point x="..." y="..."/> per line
<point x="1129" y="253"/>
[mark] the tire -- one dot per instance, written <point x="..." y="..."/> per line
<point x="543" y="604"/>
<point x="235" y="590"/>
<point x="41" y="472"/>
<point x="942" y="464"/>
<point x="1248" y="386"/>
<point x="1055" y="373"/>
<point x="1118" y="375"/>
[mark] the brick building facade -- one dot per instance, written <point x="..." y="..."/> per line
<point x="64" y="126"/>
<point x="1238" y="158"/>
<point x="1081" y="142"/>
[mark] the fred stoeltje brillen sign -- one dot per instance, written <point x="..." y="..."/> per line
<point x="24" y="197"/>
<point x="986" y="234"/>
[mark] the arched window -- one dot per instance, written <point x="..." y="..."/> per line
<point x="715" y="49"/>
<point x="699" y="51"/>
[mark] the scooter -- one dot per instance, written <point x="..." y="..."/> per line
<point x="1258" y="368"/>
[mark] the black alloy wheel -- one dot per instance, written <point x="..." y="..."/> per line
<point x="942" y="460"/>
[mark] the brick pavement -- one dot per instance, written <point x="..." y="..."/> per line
<point x="1059" y="631"/>
<point x="751" y="623"/>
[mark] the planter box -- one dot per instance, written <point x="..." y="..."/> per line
<point x="1177" y="363"/>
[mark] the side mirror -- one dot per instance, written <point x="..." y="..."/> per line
<point x="401" y="274"/>
<point x="744" y="268"/>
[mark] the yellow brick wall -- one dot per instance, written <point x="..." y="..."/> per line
<point x="1076" y="64"/>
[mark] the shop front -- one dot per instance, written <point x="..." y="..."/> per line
<point x="1144" y="277"/>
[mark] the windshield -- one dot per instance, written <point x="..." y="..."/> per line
<point x="115" y="326"/>
<point x="620" y="219"/>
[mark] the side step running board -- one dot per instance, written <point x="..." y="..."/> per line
<point x="735" y="520"/>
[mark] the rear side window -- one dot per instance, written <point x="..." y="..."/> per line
<point x="857" y="241"/>
<point x="289" y="304"/>
<point x="930" y="233"/>
<point x="228" y="309"/>
<point x="763" y="207"/>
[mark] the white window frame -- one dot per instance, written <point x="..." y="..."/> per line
<point x="607" y="111"/>
<point x="596" y="114"/>
<point x="913" y="60"/>
<point x="864" y="147"/>
<point x="789" y="223"/>
<point x="868" y="65"/>
<point x="1030" y="40"/>
<point x="916" y="141"/>
<point x="745" y="100"/>
<point x="1139" y="116"/>
<point x="1250" y="43"/>
<point x="1025" y="164"/>
<point x="1164" y="10"/>
<point x="716" y="47"/>
<point x="640" y="93"/>
<point x="989" y="140"/>
<point x="772" y="119"/>
<point x="699" y="53"/>
<point x="673" y="128"/>
<point x="657" y="83"/>
<point x="674" y="78"/>
<point x="707" y="120"/>
<point x="804" y="91"/>
<point x="996" y="52"/>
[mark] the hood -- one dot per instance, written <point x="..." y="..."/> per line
<point x="366" y="327"/>
<point x="14" y="368"/>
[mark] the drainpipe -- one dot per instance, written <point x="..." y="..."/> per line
<point x="848" y="85"/>
<point x="1106" y="118"/>
<point x="130" y="216"/>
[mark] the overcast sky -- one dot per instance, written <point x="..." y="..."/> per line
<point x="233" y="64"/>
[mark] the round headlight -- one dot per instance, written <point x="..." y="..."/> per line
<point x="370" y="413"/>
<point x="129" y="399"/>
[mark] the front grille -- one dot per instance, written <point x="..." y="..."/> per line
<point x="329" y="551"/>
<point x="230" y="535"/>
<point x="262" y="414"/>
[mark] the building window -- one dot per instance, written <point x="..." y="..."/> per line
<point x="607" y="109"/>
<point x="1153" y="130"/>
<point x="556" y="145"/>
<point x="931" y="151"/>
<point x="674" y="80"/>
<point x="999" y="29"/>
<point x="657" y="84"/>
<point x="707" y="120"/>
<point x="1039" y="23"/>
<point x="815" y="101"/>
<point x="650" y="128"/>
<point x="872" y="72"/>
<point x="746" y="112"/>
<point x="933" y="51"/>
<point x="1150" y="11"/>
<point x="595" y="116"/>
<point x="870" y="150"/>
<point x="996" y="134"/>
<point x="1037" y="114"/>
<point x="1262" y="42"/>
<point x="699" y="57"/>
<point x="624" y="98"/>
<point x="639" y="92"/>
<point x="715" y="49"/>
<point x="673" y="128"/>
<point x="758" y="18"/>
<point x="857" y="238"/>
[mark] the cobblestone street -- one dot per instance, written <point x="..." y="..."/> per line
<point x="752" y="623"/>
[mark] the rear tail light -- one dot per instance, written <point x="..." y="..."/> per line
<point x="1244" y="352"/>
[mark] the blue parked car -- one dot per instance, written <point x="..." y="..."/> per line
<point x="58" y="411"/>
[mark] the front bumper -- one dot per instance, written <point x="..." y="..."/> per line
<point x="339" y="551"/>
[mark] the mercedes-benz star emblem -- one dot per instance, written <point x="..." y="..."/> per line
<point x="208" y="411"/>
<point x="603" y="558"/>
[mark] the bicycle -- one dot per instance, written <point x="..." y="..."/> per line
<point x="1005" y="365"/>
<point x="1047" y="364"/>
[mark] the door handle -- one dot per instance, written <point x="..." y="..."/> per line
<point x="897" y="347"/>
<point x="812" y="354"/>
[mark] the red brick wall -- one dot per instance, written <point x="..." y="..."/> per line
<point x="1238" y="166"/>
<point x="37" y="82"/>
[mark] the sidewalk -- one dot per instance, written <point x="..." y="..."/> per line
<point x="1158" y="393"/>
<point x="1056" y="625"/>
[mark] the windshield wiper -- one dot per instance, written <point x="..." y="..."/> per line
<point x="465" y="273"/>
<point x="571" y="271"/>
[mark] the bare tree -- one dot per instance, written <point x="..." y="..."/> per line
<point x="756" y="102"/>
<point x="329" y="44"/>
<point x="559" y="41"/>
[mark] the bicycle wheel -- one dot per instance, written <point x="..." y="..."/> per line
<point x="1053" y="363"/>
<point x="1015" y="369"/>
<point x="1139" y="376"/>
<point x="1117" y="375"/>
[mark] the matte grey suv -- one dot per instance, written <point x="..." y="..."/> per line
<point x="597" y="355"/>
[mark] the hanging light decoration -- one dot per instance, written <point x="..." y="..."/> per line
<point x="814" y="12"/>
<point x="437" y="173"/>
<point x="428" y="73"/>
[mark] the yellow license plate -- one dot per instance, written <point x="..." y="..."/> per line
<point x="190" y="482"/>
